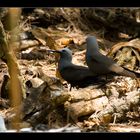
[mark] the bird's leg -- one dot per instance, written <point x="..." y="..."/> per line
<point x="106" y="76"/>
<point x="77" y="87"/>
<point x="70" y="87"/>
<point x="104" y="84"/>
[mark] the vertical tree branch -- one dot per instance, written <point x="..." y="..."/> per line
<point x="15" y="86"/>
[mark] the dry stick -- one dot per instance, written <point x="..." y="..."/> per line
<point x="15" y="89"/>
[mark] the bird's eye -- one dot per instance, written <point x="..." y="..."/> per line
<point x="63" y="50"/>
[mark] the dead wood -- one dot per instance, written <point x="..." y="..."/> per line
<point x="124" y="128"/>
<point x="84" y="102"/>
<point x="116" y="109"/>
<point x="25" y="44"/>
<point x="43" y="98"/>
<point x="48" y="107"/>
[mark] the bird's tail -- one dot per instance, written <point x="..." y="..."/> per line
<point x="132" y="73"/>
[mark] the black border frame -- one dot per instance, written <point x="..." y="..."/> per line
<point x="70" y="3"/>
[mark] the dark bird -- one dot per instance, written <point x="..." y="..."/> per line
<point x="77" y="76"/>
<point x="100" y="64"/>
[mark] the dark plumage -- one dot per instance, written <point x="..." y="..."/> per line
<point x="77" y="76"/>
<point x="100" y="64"/>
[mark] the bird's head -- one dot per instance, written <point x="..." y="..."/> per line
<point x="65" y="53"/>
<point x="92" y="44"/>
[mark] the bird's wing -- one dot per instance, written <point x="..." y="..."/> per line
<point x="107" y="62"/>
<point x="74" y="73"/>
<point x="112" y="65"/>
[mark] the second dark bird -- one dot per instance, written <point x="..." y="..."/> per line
<point x="100" y="64"/>
<point x="78" y="76"/>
